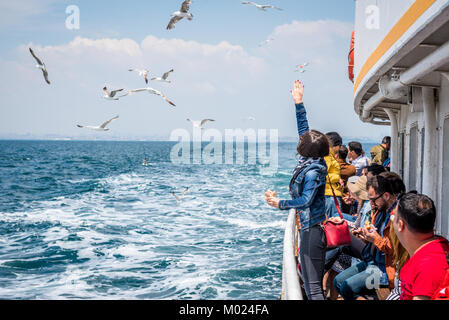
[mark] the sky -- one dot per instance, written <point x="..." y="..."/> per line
<point x="220" y="70"/>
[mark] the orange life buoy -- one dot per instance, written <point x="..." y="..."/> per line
<point x="351" y="60"/>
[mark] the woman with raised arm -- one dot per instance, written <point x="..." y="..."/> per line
<point x="307" y="188"/>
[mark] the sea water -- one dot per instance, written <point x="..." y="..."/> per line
<point x="86" y="220"/>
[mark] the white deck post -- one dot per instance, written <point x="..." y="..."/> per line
<point x="430" y="181"/>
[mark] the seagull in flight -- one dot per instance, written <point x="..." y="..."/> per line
<point x="265" y="42"/>
<point x="199" y="124"/>
<point x="164" y="77"/>
<point x="152" y="91"/>
<point x="301" y="67"/>
<point x="249" y="118"/>
<point x="262" y="7"/>
<point x="101" y="127"/>
<point x="142" y="72"/>
<point x="111" y="95"/>
<point x="179" y="198"/>
<point x="182" y="13"/>
<point x="41" y="66"/>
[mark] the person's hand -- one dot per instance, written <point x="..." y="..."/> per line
<point x="297" y="92"/>
<point x="369" y="234"/>
<point x="274" y="202"/>
<point x="336" y="220"/>
<point x="359" y="234"/>
<point x="270" y="193"/>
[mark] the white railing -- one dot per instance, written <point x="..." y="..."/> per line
<point x="291" y="288"/>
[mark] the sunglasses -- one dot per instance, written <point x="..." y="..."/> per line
<point x="375" y="199"/>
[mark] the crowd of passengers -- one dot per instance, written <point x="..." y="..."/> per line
<point x="394" y="253"/>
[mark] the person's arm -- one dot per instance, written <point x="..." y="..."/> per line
<point x="301" y="114"/>
<point x="421" y="298"/>
<point x="307" y="196"/>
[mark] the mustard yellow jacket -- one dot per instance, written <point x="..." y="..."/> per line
<point x="333" y="173"/>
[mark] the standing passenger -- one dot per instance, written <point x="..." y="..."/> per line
<point x="380" y="153"/>
<point x="333" y="186"/>
<point x="307" y="190"/>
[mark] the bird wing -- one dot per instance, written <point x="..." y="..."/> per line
<point x="169" y="101"/>
<point x="176" y="197"/>
<point x="37" y="59"/>
<point x="105" y="90"/>
<point x="205" y="120"/>
<point x="107" y="122"/>
<point x="44" y="71"/>
<point x="270" y="6"/>
<point x="165" y="75"/>
<point x="115" y="91"/>
<point x="185" y="191"/>
<point x="79" y="126"/>
<point x="172" y="22"/>
<point x="185" y="7"/>
<point x="137" y="90"/>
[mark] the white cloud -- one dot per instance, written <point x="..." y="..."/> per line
<point x="17" y="12"/>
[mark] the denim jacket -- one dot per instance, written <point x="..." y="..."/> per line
<point x="308" y="183"/>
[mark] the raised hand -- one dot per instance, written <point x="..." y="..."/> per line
<point x="297" y="92"/>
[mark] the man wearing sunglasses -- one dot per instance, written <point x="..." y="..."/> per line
<point x="377" y="252"/>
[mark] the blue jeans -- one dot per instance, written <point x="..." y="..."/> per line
<point x="353" y="281"/>
<point x="331" y="209"/>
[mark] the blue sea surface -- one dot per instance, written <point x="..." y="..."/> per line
<point x="85" y="220"/>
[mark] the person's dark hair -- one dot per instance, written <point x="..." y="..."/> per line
<point x="418" y="211"/>
<point x="380" y="184"/>
<point x="396" y="182"/>
<point x="313" y="144"/>
<point x="376" y="169"/>
<point x="356" y="147"/>
<point x="386" y="140"/>
<point x="342" y="153"/>
<point x="335" y="139"/>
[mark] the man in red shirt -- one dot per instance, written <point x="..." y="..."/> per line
<point x="413" y="222"/>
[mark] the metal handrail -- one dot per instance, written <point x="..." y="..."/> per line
<point x="291" y="288"/>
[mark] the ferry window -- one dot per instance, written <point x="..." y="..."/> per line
<point x="413" y="158"/>
<point x="445" y="181"/>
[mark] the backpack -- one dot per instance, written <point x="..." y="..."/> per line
<point x="442" y="292"/>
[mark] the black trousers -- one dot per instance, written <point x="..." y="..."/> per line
<point x="312" y="253"/>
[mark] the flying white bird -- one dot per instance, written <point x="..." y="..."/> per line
<point x="111" y="95"/>
<point x="41" y="66"/>
<point x="152" y="91"/>
<point x="262" y="7"/>
<point x="142" y="72"/>
<point x="182" y="13"/>
<point x="199" y="124"/>
<point x="250" y="118"/>
<point x="265" y="42"/>
<point x="164" y="77"/>
<point x="101" y="127"/>
<point x="179" y="198"/>
<point x="301" y="67"/>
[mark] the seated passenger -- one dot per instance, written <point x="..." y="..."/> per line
<point x="377" y="252"/>
<point x="414" y="222"/>
<point x="357" y="157"/>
